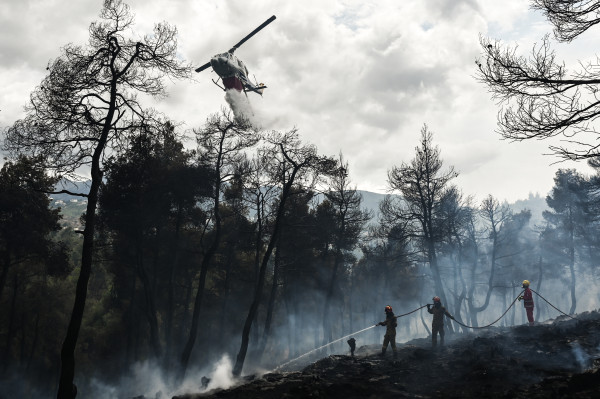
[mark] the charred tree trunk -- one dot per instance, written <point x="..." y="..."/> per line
<point x="171" y="292"/>
<point x="185" y="313"/>
<point x="11" y="323"/>
<point x="270" y="306"/>
<point x="67" y="354"/>
<point x="538" y="288"/>
<point x="5" y="267"/>
<point x="224" y="313"/>
<point x="327" y="333"/>
<point x="258" y="245"/>
<point x="34" y="343"/>
<point x="187" y="351"/>
<point x="131" y="324"/>
<point x="239" y="364"/>
<point x="572" y="270"/>
<point x="149" y="302"/>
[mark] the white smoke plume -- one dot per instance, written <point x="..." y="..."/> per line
<point x="145" y="379"/>
<point x="222" y="376"/>
<point x="583" y="359"/>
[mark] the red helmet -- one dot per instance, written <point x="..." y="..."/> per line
<point x="388" y="309"/>
<point x="436" y="299"/>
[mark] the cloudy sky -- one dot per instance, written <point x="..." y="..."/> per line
<point x="358" y="77"/>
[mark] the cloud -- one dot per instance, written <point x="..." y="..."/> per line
<point x="359" y="77"/>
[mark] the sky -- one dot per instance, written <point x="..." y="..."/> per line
<point x="359" y="78"/>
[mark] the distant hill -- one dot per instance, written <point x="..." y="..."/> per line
<point x="73" y="187"/>
<point x="535" y="203"/>
<point x="71" y="206"/>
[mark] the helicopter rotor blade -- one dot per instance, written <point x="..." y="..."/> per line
<point x="254" y="32"/>
<point x="203" y="67"/>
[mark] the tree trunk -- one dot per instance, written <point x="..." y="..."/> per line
<point x="573" y="282"/>
<point x="538" y="287"/>
<point x="4" y="273"/>
<point x="150" y="306"/>
<point x="171" y="293"/>
<point x="11" y="323"/>
<point x="270" y="306"/>
<point x="34" y="343"/>
<point x="239" y="364"/>
<point x="187" y="351"/>
<point x="327" y="334"/>
<point x="225" y="301"/>
<point x="131" y="324"/>
<point x="66" y="387"/>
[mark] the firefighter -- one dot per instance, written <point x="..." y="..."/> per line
<point x="352" y="344"/>
<point x="527" y="299"/>
<point x="437" y="325"/>
<point x="390" y="332"/>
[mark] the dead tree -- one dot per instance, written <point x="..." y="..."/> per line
<point x="539" y="98"/>
<point x="87" y="105"/>
<point x="221" y="144"/>
<point x="421" y="185"/>
<point x="570" y="18"/>
<point x="298" y="159"/>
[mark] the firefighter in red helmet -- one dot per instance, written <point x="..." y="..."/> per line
<point x="527" y="299"/>
<point x="437" y="325"/>
<point x="390" y="331"/>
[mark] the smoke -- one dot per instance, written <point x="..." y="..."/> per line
<point x="221" y="376"/>
<point x="582" y="358"/>
<point x="241" y="107"/>
<point x="146" y="379"/>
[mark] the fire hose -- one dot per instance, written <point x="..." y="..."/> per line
<point x="552" y="305"/>
<point x="506" y="311"/>
<point x="412" y="311"/>
<point x="495" y="321"/>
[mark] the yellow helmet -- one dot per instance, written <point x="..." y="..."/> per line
<point x="525" y="283"/>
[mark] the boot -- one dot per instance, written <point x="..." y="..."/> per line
<point x="531" y="324"/>
<point x="382" y="354"/>
<point x="395" y="355"/>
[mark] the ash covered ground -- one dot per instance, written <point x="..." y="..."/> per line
<point x="558" y="358"/>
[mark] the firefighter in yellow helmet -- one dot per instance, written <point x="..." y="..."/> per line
<point x="527" y="299"/>
<point x="390" y="331"/>
<point x="437" y="325"/>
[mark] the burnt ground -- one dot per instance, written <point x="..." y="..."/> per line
<point x="560" y="358"/>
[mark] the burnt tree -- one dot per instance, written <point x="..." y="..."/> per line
<point x="86" y="105"/>
<point x="301" y="161"/>
<point x="539" y="97"/>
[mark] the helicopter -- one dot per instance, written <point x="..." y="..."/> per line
<point x="232" y="71"/>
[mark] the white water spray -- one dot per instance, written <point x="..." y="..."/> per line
<point x="321" y="347"/>
<point x="241" y="107"/>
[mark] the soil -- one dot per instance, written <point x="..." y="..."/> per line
<point x="557" y="359"/>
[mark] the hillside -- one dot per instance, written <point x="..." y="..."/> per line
<point x="535" y="203"/>
<point x="559" y="358"/>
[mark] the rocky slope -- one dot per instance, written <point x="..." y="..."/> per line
<point x="559" y="358"/>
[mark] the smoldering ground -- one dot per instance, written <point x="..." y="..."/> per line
<point x="148" y="380"/>
<point x="520" y="362"/>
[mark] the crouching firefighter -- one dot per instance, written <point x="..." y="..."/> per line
<point x="390" y="332"/>
<point x="527" y="299"/>
<point x="437" y="325"/>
